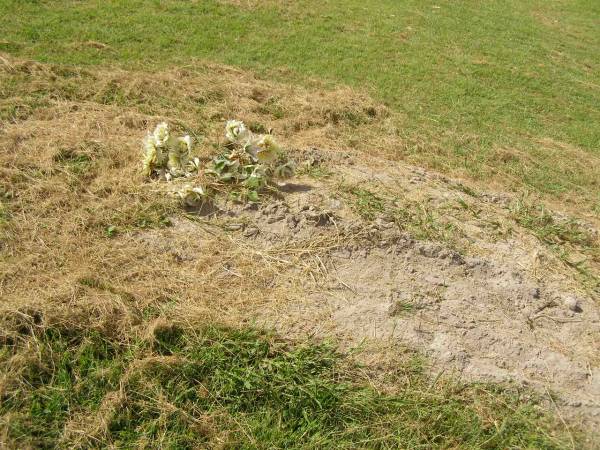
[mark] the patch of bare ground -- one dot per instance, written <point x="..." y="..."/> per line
<point x="356" y="247"/>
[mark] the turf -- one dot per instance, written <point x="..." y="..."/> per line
<point x="228" y="388"/>
<point x="500" y="91"/>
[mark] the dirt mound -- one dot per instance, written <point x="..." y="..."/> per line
<point x="356" y="247"/>
<point x="487" y="308"/>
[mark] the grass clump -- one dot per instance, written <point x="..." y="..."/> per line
<point x="239" y="388"/>
<point x="315" y="170"/>
<point x="424" y="223"/>
<point x="417" y="218"/>
<point x="565" y="236"/>
<point x="547" y="228"/>
<point x="367" y="204"/>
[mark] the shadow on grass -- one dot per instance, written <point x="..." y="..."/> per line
<point x="241" y="388"/>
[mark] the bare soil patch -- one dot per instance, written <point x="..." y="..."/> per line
<point x="483" y="305"/>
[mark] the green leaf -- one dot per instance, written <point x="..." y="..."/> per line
<point x="227" y="176"/>
<point x="253" y="182"/>
<point x="111" y="231"/>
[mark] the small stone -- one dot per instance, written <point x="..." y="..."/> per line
<point x="320" y="219"/>
<point x="362" y="253"/>
<point x="456" y="259"/>
<point x="276" y="218"/>
<point x="382" y="224"/>
<point x="251" y="207"/>
<point x="435" y="281"/>
<point x="430" y="250"/>
<point x="444" y="254"/>
<point x="234" y="226"/>
<point x="334" y="204"/>
<point x="535" y="292"/>
<point x="572" y="303"/>
<point x="292" y="221"/>
<point x="250" y="232"/>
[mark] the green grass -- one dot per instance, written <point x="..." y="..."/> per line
<point x="316" y="171"/>
<point x="548" y="228"/>
<point x="366" y="204"/>
<point x="564" y="236"/>
<point x="243" y="389"/>
<point x="423" y="221"/>
<point x="505" y="89"/>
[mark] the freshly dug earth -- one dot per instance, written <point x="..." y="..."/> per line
<point x="485" y="306"/>
<point x="356" y="247"/>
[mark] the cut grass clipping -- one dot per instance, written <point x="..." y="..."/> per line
<point x="231" y="388"/>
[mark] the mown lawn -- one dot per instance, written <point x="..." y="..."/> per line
<point x="501" y="91"/>
<point x="227" y="388"/>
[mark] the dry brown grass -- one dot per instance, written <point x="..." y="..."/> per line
<point x="70" y="170"/>
<point x="87" y="242"/>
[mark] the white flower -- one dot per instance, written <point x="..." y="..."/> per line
<point x="164" y="151"/>
<point x="149" y="143"/>
<point x="161" y="134"/>
<point x="178" y="154"/>
<point x="192" y="195"/>
<point x="185" y="142"/>
<point x="235" y="131"/>
<point x="150" y="155"/>
<point x="193" y="166"/>
<point x="267" y="148"/>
